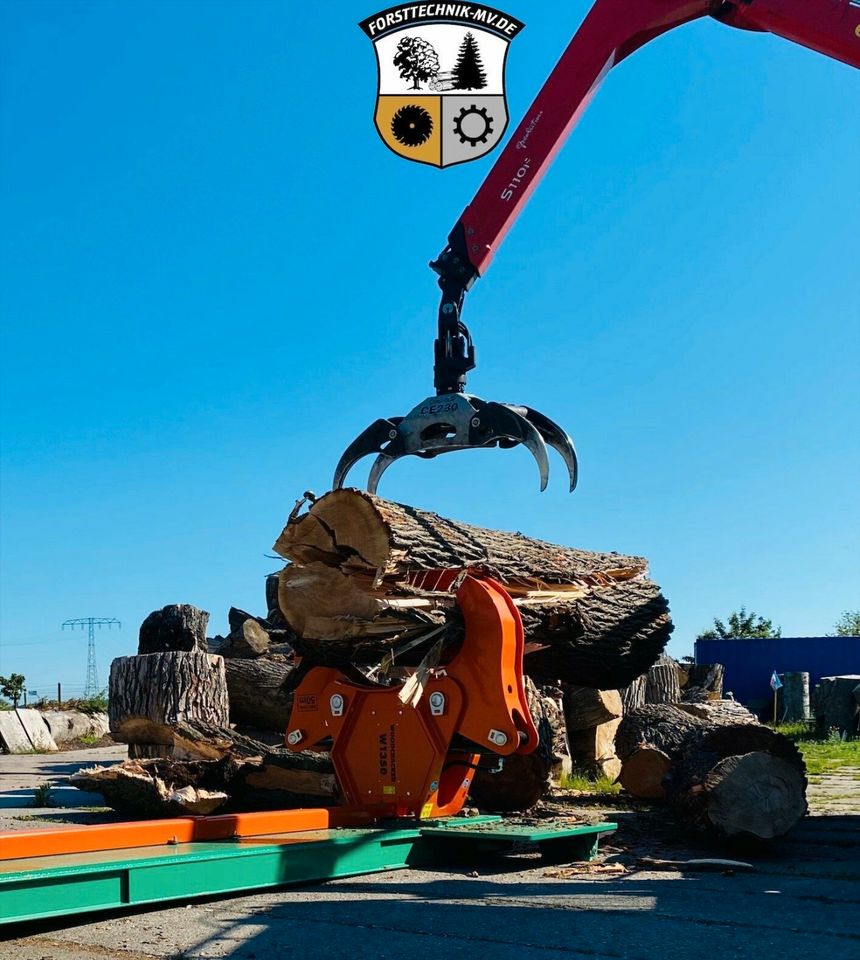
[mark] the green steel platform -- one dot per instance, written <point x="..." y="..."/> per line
<point x="71" y="884"/>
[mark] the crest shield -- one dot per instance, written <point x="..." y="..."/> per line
<point x="441" y="80"/>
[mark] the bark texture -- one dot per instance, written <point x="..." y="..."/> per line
<point x="738" y="780"/>
<point x="661" y="681"/>
<point x="257" y="695"/>
<point x="360" y="532"/>
<point x="149" y="694"/>
<point x="178" y="626"/>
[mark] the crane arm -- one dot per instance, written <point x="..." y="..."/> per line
<point x="611" y="31"/>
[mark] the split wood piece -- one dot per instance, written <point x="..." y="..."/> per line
<point x="704" y="682"/>
<point x="600" y="637"/>
<point x="178" y="626"/>
<point x="633" y="694"/>
<point x="153" y="787"/>
<point x="149" y="694"/>
<point x="523" y="778"/>
<point x="661" y="681"/>
<point x="257" y="695"/>
<point x="248" y="635"/>
<point x="592" y="751"/>
<point x="835" y="705"/>
<point x="260" y="768"/>
<point x="719" y="711"/>
<point x="646" y="742"/>
<point x="738" y="780"/>
<point x="364" y="534"/>
<point x="585" y="707"/>
<point x="552" y="701"/>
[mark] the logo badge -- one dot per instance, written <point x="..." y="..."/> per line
<point x="441" y="79"/>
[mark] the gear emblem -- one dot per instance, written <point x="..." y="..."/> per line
<point x="473" y="125"/>
<point x="411" y="125"/>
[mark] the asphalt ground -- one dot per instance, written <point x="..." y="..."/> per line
<point x="803" y="900"/>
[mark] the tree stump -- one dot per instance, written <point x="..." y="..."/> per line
<point x="661" y="682"/>
<point x="835" y="706"/>
<point x="149" y="694"/>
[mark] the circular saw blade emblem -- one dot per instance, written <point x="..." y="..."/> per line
<point x="441" y="82"/>
<point x="411" y="125"/>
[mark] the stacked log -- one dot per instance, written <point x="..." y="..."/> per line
<point x="702" y="681"/>
<point x="365" y="573"/>
<point x="723" y="773"/>
<point x="592" y="718"/>
<point x="836" y="704"/>
<point x="211" y="768"/>
<point x="172" y="678"/>
<point x="661" y="681"/>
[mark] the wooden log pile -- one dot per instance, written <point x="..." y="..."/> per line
<point x="366" y="578"/>
<point x="366" y="574"/>
<point x="720" y="770"/>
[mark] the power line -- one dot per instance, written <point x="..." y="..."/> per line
<point x="92" y="686"/>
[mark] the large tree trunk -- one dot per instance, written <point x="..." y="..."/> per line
<point x="365" y="534"/>
<point x="646" y="741"/>
<point x="149" y="694"/>
<point x="598" y="636"/>
<point x="719" y="774"/>
<point x="738" y="780"/>
<point x="257" y="695"/>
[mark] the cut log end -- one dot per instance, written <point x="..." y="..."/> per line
<point x="757" y="794"/>
<point x="643" y="771"/>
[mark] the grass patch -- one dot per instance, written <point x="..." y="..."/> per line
<point x="822" y="756"/>
<point x="90" y="740"/>
<point x="579" y="780"/>
<point x="43" y="796"/>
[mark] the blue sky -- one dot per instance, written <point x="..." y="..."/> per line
<point x="214" y="274"/>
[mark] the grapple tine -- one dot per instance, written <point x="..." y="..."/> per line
<point x="559" y="440"/>
<point x="368" y="441"/>
<point x="380" y="465"/>
<point x="504" y="421"/>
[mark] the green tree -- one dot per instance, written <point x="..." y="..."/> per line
<point x="741" y="624"/>
<point x="469" y="71"/>
<point x="12" y="687"/>
<point x="848" y="625"/>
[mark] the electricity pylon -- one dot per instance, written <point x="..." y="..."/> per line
<point x="91" y="688"/>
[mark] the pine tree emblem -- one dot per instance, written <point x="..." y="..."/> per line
<point x="468" y="73"/>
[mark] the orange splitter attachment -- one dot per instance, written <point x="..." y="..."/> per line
<point x="395" y="759"/>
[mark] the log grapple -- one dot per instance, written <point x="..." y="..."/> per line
<point x="612" y="30"/>
<point x="399" y="755"/>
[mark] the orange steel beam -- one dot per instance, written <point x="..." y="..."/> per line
<point x="16" y="844"/>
